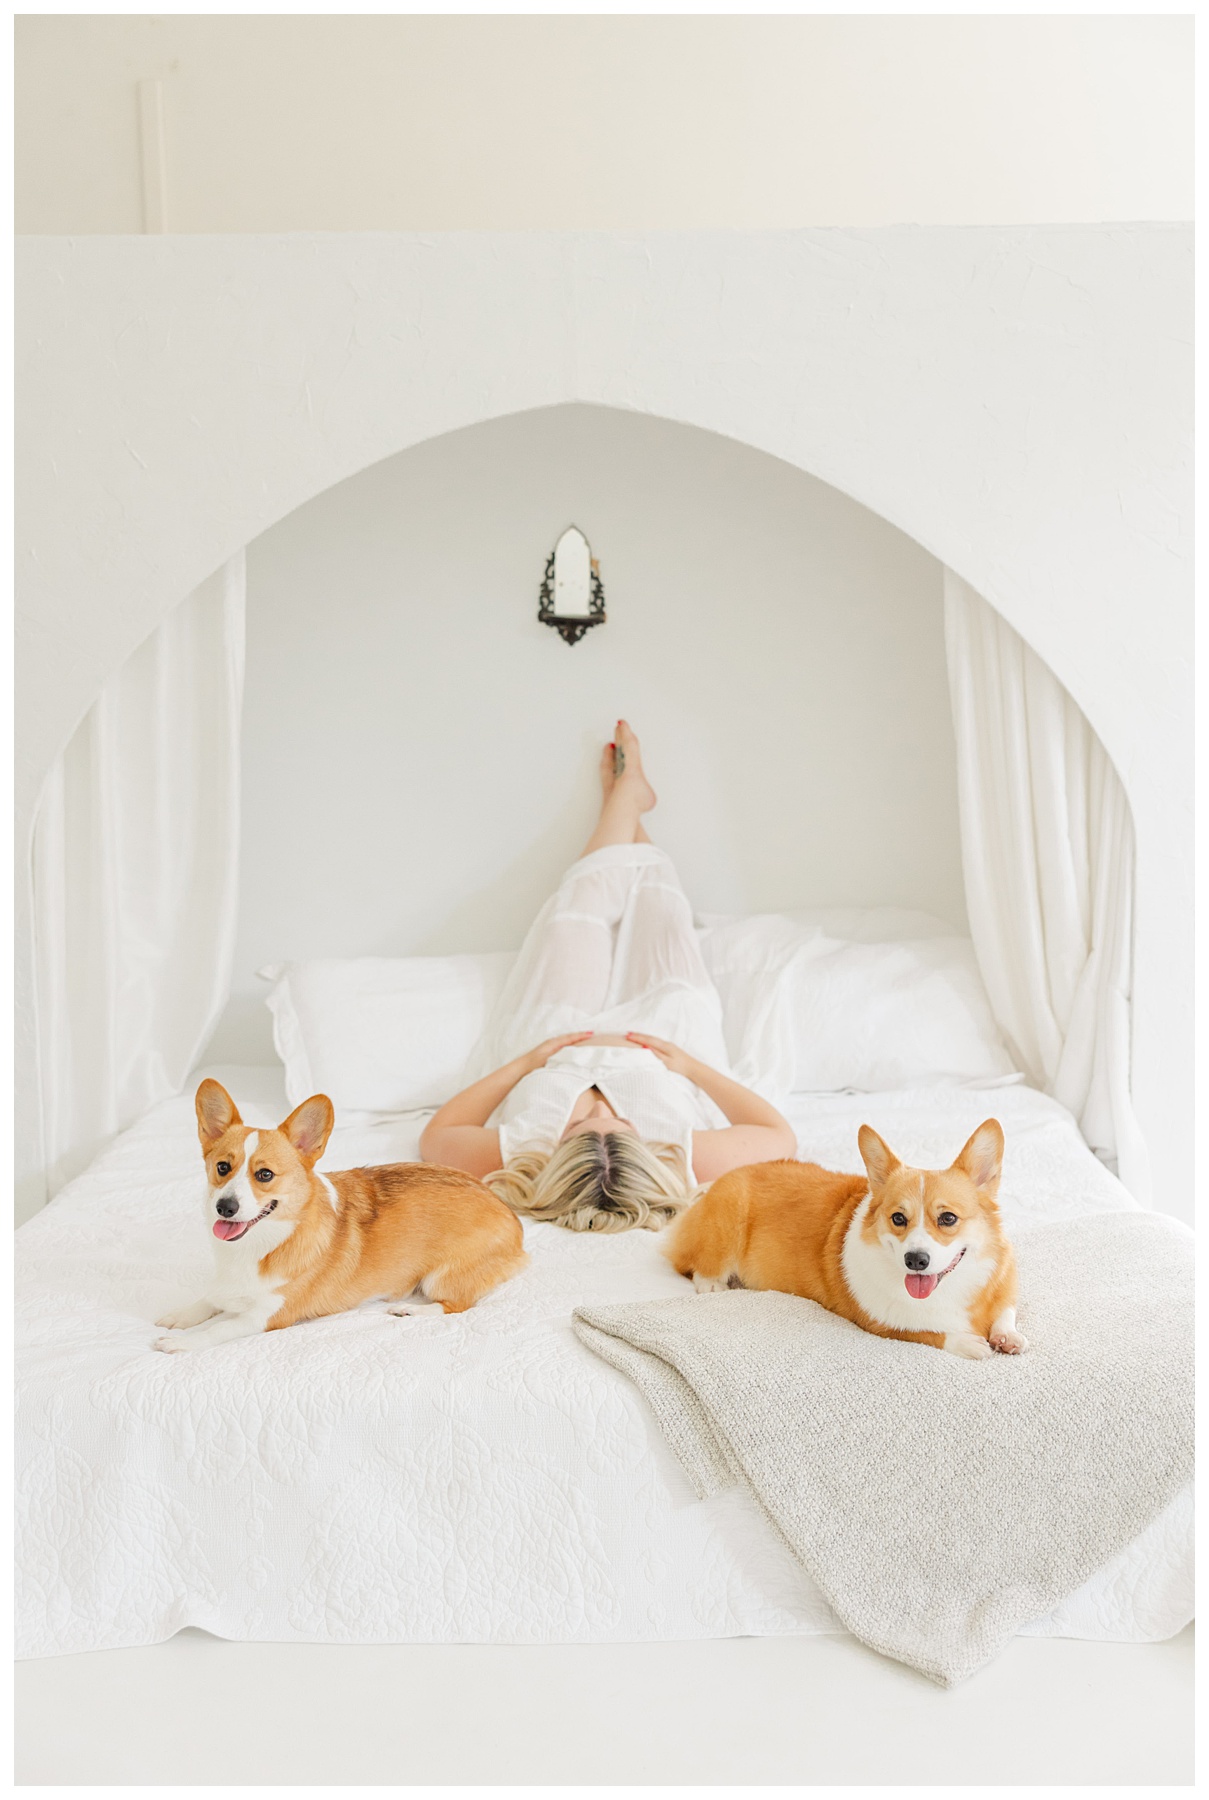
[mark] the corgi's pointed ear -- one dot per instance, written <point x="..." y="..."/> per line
<point x="309" y="1126"/>
<point x="982" y="1157"/>
<point x="880" y="1160"/>
<point x="216" y="1112"/>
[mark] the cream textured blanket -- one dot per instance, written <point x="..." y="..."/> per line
<point x="939" y="1503"/>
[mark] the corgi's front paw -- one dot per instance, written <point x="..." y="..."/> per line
<point x="185" y="1316"/>
<point x="1008" y="1343"/>
<point x="709" y="1284"/>
<point x="171" y="1344"/>
<point x="966" y="1343"/>
<point x="407" y="1309"/>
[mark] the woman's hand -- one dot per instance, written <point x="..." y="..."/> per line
<point x="458" y="1133"/>
<point x="756" y="1131"/>
<point x="678" y="1061"/>
<point x="538" y="1058"/>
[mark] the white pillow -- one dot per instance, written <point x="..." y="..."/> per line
<point x="382" y="1034"/>
<point x="881" y="1016"/>
<point x="805" y="1011"/>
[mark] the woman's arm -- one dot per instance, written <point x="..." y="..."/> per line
<point x="457" y="1134"/>
<point x="757" y="1131"/>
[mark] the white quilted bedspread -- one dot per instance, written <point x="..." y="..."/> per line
<point x="366" y="1479"/>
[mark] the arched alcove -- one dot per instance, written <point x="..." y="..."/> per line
<point x="419" y="751"/>
<point x="1016" y="399"/>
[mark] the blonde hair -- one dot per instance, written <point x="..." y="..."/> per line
<point x="597" y="1181"/>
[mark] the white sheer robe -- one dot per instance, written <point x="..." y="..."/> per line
<point x="613" y="950"/>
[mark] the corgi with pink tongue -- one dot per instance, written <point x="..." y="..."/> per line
<point x="291" y="1244"/>
<point x="903" y="1253"/>
<point x="926" y="1253"/>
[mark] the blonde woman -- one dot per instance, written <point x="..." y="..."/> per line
<point x="605" y="1126"/>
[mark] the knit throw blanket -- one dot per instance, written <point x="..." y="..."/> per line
<point x="939" y="1503"/>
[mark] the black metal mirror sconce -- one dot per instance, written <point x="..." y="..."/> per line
<point x="571" y="598"/>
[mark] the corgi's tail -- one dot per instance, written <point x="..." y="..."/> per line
<point x="707" y="1243"/>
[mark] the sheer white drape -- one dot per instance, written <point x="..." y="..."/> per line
<point x="135" y="878"/>
<point x="1048" y="856"/>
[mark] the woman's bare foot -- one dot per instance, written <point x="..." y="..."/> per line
<point x="627" y="768"/>
<point x="625" y="793"/>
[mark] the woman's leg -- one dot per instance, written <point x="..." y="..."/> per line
<point x="561" y="978"/>
<point x="563" y="974"/>
<point x="626" y="794"/>
<point x="617" y="929"/>
<point x="655" y="942"/>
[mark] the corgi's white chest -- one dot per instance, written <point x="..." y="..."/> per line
<point x="237" y="1282"/>
<point x="876" y="1280"/>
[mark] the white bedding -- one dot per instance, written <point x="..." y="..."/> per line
<point x="367" y="1479"/>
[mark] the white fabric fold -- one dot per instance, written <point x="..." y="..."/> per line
<point x="135" y="878"/>
<point x="1048" y="857"/>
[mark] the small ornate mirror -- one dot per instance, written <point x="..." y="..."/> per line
<point x="572" y="598"/>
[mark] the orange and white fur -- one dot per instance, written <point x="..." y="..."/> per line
<point x="290" y="1244"/>
<point x="908" y="1253"/>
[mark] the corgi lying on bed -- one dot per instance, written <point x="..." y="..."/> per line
<point x="290" y="1244"/>
<point x="909" y="1253"/>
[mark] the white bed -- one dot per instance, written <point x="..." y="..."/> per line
<point x="367" y="1479"/>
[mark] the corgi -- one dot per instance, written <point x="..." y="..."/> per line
<point x="907" y="1253"/>
<point x="290" y="1244"/>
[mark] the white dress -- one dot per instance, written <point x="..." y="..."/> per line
<point x="613" y="950"/>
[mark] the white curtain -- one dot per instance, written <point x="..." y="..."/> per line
<point x="135" y="878"/>
<point x="1048" y="856"/>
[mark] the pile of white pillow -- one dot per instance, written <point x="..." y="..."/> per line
<point x="813" y="1002"/>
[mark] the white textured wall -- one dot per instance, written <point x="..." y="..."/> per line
<point x="403" y="123"/>
<point x="1017" y="400"/>
<point x="419" y="752"/>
